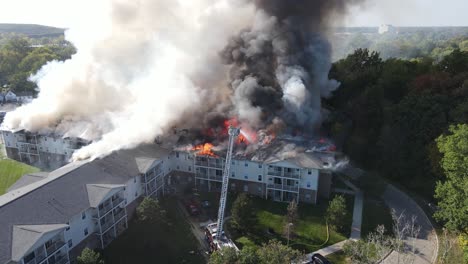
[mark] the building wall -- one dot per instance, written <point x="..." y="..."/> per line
<point x="309" y="181"/>
<point x="308" y="196"/>
<point x="325" y="181"/>
<point x="248" y="171"/>
<point x="77" y="227"/>
<point x="254" y="188"/>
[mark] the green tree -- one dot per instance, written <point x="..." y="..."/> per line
<point x="89" y="256"/>
<point x="452" y="194"/>
<point x="226" y="255"/>
<point x="248" y="255"/>
<point x="336" y="212"/>
<point x="276" y="253"/>
<point x="242" y="212"/>
<point x="456" y="62"/>
<point x="150" y="211"/>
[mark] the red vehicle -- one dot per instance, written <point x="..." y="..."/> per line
<point x="193" y="209"/>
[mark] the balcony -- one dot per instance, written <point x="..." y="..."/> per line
<point x="117" y="201"/>
<point x="274" y="172"/>
<point x="54" y="247"/>
<point x="107" y="224"/>
<point x="209" y="163"/>
<point x="294" y="175"/>
<point x="105" y="209"/>
<point x="281" y="187"/>
<point x="40" y="257"/>
<point x="119" y="213"/>
<point x="208" y="177"/>
<point x="62" y="260"/>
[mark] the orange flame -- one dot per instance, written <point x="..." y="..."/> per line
<point x="205" y="150"/>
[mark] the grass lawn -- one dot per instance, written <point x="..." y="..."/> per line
<point x="338" y="258"/>
<point x="11" y="171"/>
<point x="310" y="232"/>
<point x="375" y="212"/>
<point x="153" y="243"/>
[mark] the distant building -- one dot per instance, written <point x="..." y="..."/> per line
<point x="10" y="97"/>
<point x="385" y="28"/>
<point x="24" y="97"/>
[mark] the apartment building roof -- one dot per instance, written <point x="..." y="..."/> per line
<point x="28" y="179"/>
<point x="66" y="192"/>
<point x="26" y="237"/>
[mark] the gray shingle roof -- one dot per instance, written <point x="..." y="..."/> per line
<point x="99" y="192"/>
<point x="26" y="236"/>
<point x="28" y="179"/>
<point x="63" y="194"/>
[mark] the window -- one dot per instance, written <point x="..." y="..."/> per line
<point x="259" y="177"/>
<point x="260" y="166"/>
<point x="246" y="177"/>
<point x="177" y="154"/>
<point x="29" y="257"/>
<point x="83" y="215"/>
<point x="134" y="179"/>
<point x="70" y="243"/>
<point x="233" y="163"/>
<point x="233" y="174"/>
<point x="308" y="184"/>
<point x="189" y="168"/>
<point x="86" y="231"/>
<point x="178" y="167"/>
<point x="246" y="164"/>
<point x="246" y="188"/>
<point x="136" y="194"/>
<point x="307" y="196"/>
<point x="309" y="172"/>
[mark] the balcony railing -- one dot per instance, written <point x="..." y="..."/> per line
<point x="37" y="259"/>
<point x="62" y="260"/>
<point x="274" y="172"/>
<point x="206" y="177"/>
<point x="294" y="175"/>
<point x="105" y="209"/>
<point x="211" y="164"/>
<point x="107" y="225"/>
<point x="283" y="187"/>
<point x="117" y="201"/>
<point x="54" y="247"/>
<point x="118" y="214"/>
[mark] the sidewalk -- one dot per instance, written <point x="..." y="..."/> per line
<point x="355" y="227"/>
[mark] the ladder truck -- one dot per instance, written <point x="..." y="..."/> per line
<point x="233" y="134"/>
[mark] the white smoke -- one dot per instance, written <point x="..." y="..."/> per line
<point x="140" y="65"/>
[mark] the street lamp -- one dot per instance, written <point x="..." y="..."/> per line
<point x="289" y="225"/>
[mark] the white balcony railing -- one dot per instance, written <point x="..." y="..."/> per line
<point x="281" y="187"/>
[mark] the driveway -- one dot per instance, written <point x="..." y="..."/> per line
<point x="426" y="244"/>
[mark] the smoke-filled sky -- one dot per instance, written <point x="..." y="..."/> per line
<point x="64" y="13"/>
<point x="145" y="67"/>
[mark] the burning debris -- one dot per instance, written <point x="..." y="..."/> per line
<point x="133" y="79"/>
<point x="205" y="150"/>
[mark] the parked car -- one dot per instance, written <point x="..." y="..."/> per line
<point x="318" y="259"/>
<point x="193" y="209"/>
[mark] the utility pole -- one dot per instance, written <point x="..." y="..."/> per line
<point x="233" y="133"/>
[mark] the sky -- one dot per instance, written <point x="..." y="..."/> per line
<point x="65" y="13"/>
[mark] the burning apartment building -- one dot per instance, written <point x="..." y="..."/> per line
<point x="90" y="202"/>
<point x="48" y="152"/>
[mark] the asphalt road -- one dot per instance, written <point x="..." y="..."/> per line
<point x="425" y="245"/>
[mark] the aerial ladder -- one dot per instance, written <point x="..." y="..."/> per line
<point x="233" y="134"/>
